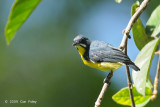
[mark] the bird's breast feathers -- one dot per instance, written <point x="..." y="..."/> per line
<point x="103" y="66"/>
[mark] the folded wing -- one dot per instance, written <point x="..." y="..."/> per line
<point x="103" y="52"/>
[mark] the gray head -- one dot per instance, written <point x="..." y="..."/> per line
<point x="80" y="40"/>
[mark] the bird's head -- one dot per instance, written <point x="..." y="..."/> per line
<point x="82" y="41"/>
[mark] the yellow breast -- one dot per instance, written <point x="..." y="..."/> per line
<point x="103" y="66"/>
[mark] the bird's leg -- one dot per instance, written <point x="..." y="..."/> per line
<point x="107" y="79"/>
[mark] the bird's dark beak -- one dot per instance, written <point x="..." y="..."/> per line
<point x="74" y="43"/>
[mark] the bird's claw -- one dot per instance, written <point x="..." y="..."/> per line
<point x="107" y="81"/>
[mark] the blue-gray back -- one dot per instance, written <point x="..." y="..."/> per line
<point x="103" y="52"/>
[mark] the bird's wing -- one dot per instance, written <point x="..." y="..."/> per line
<point x="103" y="52"/>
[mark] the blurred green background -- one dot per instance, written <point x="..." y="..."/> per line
<point x="40" y="63"/>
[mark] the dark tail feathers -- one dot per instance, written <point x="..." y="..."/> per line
<point x="133" y="66"/>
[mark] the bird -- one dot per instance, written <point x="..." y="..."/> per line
<point x="101" y="55"/>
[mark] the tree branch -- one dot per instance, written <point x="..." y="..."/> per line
<point x="130" y="86"/>
<point x="104" y="88"/>
<point x="156" y="80"/>
<point x="158" y="52"/>
<point x="123" y="44"/>
<point x="131" y="22"/>
<point x="129" y="79"/>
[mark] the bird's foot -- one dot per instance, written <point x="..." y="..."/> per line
<point x="107" y="79"/>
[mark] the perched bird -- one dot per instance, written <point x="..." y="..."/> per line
<point x="100" y="55"/>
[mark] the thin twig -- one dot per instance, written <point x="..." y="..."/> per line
<point x="129" y="80"/>
<point x="123" y="44"/>
<point x="156" y="80"/>
<point x="104" y="88"/>
<point x="132" y="21"/>
<point x="157" y="52"/>
<point x="130" y="86"/>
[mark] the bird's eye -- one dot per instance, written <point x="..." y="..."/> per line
<point x="83" y="40"/>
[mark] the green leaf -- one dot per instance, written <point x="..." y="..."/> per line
<point x="149" y="83"/>
<point x="153" y="24"/>
<point x="143" y="61"/>
<point x="20" y="11"/>
<point x="123" y="97"/>
<point x="138" y="30"/>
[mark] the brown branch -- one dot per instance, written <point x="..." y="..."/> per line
<point x="123" y="44"/>
<point x="132" y="21"/>
<point x="130" y="86"/>
<point x="129" y="80"/>
<point x="157" y="52"/>
<point x="104" y="88"/>
<point x="156" y="80"/>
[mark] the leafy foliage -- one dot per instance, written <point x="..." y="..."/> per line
<point x="123" y="97"/>
<point x="153" y="24"/>
<point x="143" y="38"/>
<point x="138" y="30"/>
<point x="20" y="11"/>
<point x="144" y="60"/>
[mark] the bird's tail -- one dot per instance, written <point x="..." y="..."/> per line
<point x="133" y="66"/>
